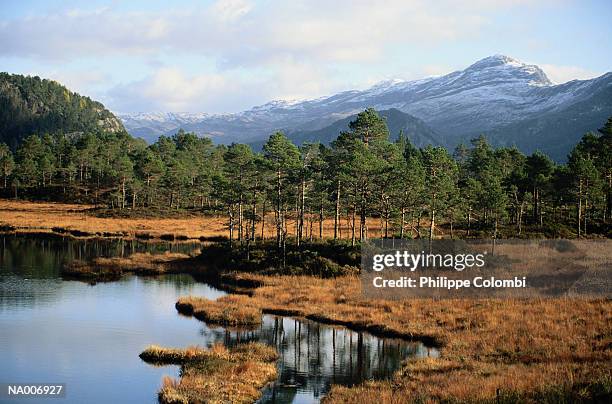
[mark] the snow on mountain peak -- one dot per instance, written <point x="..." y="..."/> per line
<point x="503" y="65"/>
<point x="494" y="91"/>
<point x="497" y="60"/>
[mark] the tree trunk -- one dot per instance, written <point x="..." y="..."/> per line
<point x="321" y="218"/>
<point x="362" y="223"/>
<point x="608" y="212"/>
<point x="494" y="235"/>
<point x="279" y="219"/>
<point x="230" y="214"/>
<point x="240" y="218"/>
<point x="431" y="228"/>
<point x="586" y="207"/>
<point x="302" y="208"/>
<point x="579" y="206"/>
<point x="432" y="224"/>
<point x="386" y="221"/>
<point x="520" y="218"/>
<point x="402" y="223"/>
<point x="263" y="219"/>
<point x="535" y="204"/>
<point x="337" y="213"/>
<point x="254" y="215"/>
<point x="469" y="226"/>
<point x="123" y="193"/>
<point x="353" y="212"/>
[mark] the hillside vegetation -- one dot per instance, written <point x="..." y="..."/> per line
<point x="59" y="146"/>
<point x="31" y="105"/>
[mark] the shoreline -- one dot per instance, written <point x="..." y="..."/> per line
<point x="524" y="348"/>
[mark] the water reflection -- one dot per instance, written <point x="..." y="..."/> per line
<point x="30" y="265"/>
<point x="89" y="337"/>
<point x="313" y="356"/>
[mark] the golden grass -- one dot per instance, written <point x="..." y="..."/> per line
<point x="100" y="268"/>
<point x="217" y="375"/>
<point x="524" y="347"/>
<point x="230" y="310"/>
<point x="44" y="216"/>
<point x="143" y="263"/>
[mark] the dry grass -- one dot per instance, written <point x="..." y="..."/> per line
<point x="43" y="217"/>
<point x="101" y="269"/>
<point x="231" y="310"/>
<point x="143" y="263"/>
<point x="28" y="216"/>
<point x="521" y="348"/>
<point x="217" y="375"/>
<point x="83" y="270"/>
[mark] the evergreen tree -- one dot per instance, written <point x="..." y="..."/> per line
<point x="283" y="159"/>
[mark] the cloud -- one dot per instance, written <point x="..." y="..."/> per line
<point x="229" y="10"/>
<point x="77" y="79"/>
<point x="170" y="89"/>
<point x="238" y="32"/>
<point x="254" y="51"/>
<point x="562" y="74"/>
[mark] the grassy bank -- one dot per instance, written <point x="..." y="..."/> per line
<point x="81" y="220"/>
<point x="109" y="269"/>
<point x="491" y="349"/>
<point x="217" y="375"/>
<point x="231" y="310"/>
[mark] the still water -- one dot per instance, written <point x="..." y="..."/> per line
<point x="89" y="337"/>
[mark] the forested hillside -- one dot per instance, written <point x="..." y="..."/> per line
<point x="397" y="121"/>
<point x="31" y="105"/>
<point x="478" y="190"/>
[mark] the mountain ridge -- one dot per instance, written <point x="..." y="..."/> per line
<point x="491" y="94"/>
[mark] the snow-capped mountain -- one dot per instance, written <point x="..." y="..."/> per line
<point x="492" y="94"/>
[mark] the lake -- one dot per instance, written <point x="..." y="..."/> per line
<point x="89" y="336"/>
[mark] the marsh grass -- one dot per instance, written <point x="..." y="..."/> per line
<point x="106" y="269"/>
<point x="19" y="216"/>
<point x="232" y="310"/>
<point x="82" y="270"/>
<point x="217" y="375"/>
<point x="555" y="350"/>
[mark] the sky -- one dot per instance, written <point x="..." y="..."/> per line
<point x="229" y="55"/>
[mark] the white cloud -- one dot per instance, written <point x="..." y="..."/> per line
<point x="228" y="10"/>
<point x="260" y="50"/>
<point x="169" y="89"/>
<point x="239" y="32"/>
<point x="77" y="80"/>
<point x="562" y="74"/>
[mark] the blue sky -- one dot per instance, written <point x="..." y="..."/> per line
<point x="229" y="55"/>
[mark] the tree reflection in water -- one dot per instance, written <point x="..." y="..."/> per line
<point x="314" y="356"/>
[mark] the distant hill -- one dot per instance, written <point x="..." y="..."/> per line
<point x="414" y="128"/>
<point x="31" y="105"/>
